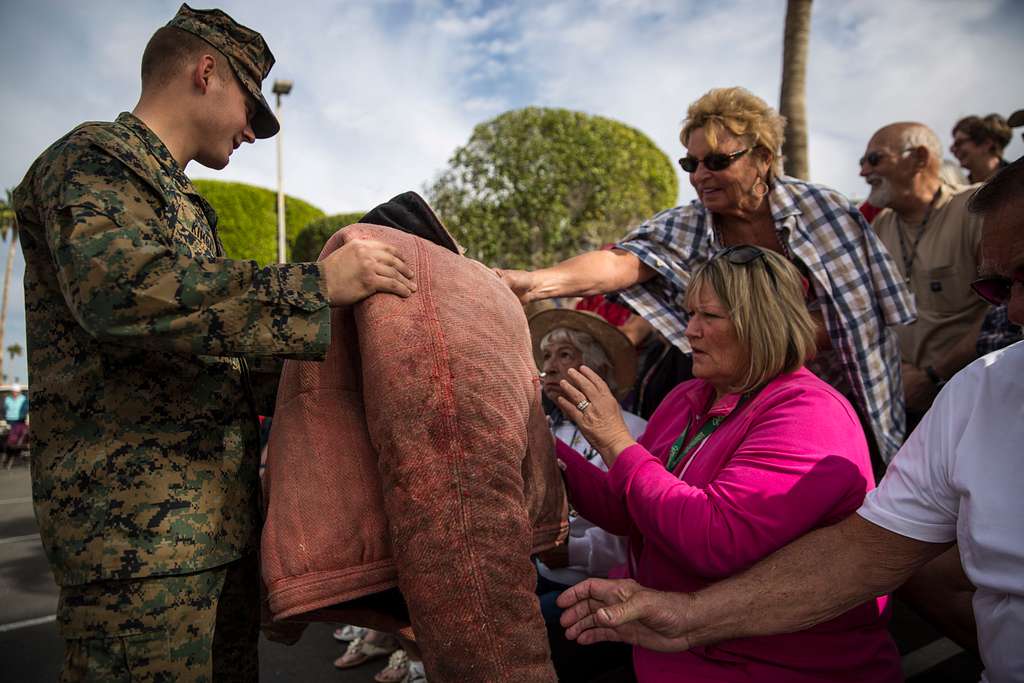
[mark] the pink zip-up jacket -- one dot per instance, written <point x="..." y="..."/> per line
<point x="791" y="459"/>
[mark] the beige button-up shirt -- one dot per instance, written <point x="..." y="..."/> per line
<point x="941" y="268"/>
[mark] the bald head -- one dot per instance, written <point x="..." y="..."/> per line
<point x="910" y="135"/>
<point x="901" y="164"/>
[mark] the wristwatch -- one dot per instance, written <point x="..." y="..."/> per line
<point x="934" y="377"/>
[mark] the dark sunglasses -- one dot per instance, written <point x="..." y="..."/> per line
<point x="872" y="158"/>
<point x="995" y="289"/>
<point x="875" y="158"/>
<point x="744" y="254"/>
<point x="713" y="162"/>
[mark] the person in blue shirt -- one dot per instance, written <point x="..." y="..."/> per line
<point x="16" y="415"/>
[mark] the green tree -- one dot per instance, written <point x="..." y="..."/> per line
<point x="15" y="350"/>
<point x="314" y="235"/>
<point x="247" y="218"/>
<point x="535" y="186"/>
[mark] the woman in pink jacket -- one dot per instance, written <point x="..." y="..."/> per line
<point x="734" y="464"/>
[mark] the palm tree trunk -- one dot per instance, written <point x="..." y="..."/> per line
<point x="792" y="100"/>
<point x="8" y="230"/>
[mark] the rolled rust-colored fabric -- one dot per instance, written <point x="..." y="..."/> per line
<point x="417" y="455"/>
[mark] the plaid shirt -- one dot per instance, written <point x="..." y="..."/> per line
<point x="855" y="279"/>
<point x="997" y="331"/>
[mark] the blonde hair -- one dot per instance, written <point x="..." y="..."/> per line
<point x="742" y="113"/>
<point x="772" y="323"/>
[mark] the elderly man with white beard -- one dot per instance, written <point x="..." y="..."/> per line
<point x="934" y="240"/>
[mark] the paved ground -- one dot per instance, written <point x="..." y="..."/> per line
<point x="33" y="650"/>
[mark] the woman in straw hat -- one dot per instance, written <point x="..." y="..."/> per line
<point x="565" y="339"/>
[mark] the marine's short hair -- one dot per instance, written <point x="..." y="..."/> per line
<point x="742" y="113"/>
<point x="774" y="328"/>
<point x="1002" y="189"/>
<point x="993" y="128"/>
<point x="168" y="50"/>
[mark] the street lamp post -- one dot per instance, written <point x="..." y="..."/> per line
<point x="280" y="88"/>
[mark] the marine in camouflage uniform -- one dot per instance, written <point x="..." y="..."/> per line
<point x="145" y="456"/>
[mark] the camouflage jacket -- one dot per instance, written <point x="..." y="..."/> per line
<point x="144" y="453"/>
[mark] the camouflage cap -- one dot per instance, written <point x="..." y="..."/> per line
<point x="247" y="52"/>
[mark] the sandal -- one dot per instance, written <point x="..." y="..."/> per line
<point x="348" y="633"/>
<point x="416" y="673"/>
<point x="396" y="670"/>
<point x="360" y="651"/>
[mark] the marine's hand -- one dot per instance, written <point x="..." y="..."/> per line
<point x="622" y="610"/>
<point x="601" y="422"/>
<point x="365" y="267"/>
<point x="519" y="281"/>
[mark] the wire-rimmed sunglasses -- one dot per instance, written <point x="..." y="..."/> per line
<point x="874" y="158"/>
<point x="716" y="161"/>
<point x="996" y="289"/>
<point x="745" y="254"/>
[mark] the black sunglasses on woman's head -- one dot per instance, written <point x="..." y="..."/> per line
<point x="743" y="254"/>
<point x="715" y="161"/>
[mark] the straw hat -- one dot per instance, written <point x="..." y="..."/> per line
<point x="615" y="344"/>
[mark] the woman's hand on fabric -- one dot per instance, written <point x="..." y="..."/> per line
<point x="600" y="421"/>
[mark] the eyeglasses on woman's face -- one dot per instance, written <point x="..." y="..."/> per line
<point x="716" y="161"/>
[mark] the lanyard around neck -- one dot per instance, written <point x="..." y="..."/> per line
<point x="910" y="255"/>
<point x="677" y="452"/>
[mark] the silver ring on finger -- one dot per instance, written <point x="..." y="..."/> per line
<point x="583" y="405"/>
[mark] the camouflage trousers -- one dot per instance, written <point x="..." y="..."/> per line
<point x="200" y="627"/>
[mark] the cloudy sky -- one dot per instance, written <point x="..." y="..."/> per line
<point x="386" y="90"/>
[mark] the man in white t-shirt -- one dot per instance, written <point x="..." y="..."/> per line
<point x="957" y="479"/>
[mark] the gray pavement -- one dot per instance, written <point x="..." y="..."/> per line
<point x="33" y="650"/>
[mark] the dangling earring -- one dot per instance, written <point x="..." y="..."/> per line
<point x="760" y="189"/>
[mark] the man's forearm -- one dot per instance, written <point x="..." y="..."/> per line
<point x="812" y="580"/>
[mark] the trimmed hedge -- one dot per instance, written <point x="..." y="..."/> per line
<point x="535" y="186"/>
<point x="247" y="218"/>
<point x="314" y="235"/>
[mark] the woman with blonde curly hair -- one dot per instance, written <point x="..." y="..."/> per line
<point x="854" y="293"/>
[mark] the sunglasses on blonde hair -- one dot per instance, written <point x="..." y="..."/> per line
<point x="745" y="254"/>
